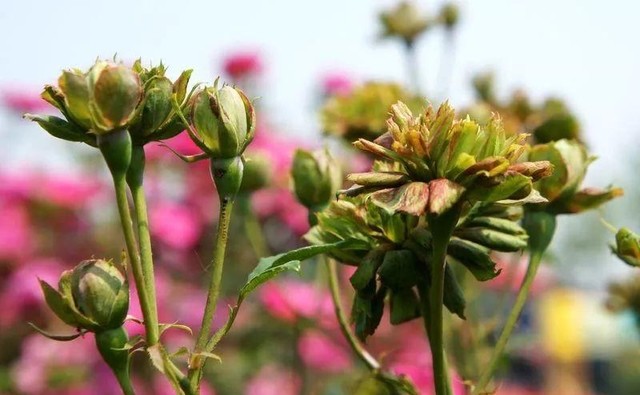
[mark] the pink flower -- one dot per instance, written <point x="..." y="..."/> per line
<point x="280" y="203"/>
<point x="181" y="143"/>
<point x="290" y="300"/>
<point x="23" y="100"/>
<point x="68" y="191"/>
<point x="175" y="225"/>
<point x="272" y="380"/>
<point x="322" y="353"/>
<point x="16" y="234"/>
<point x="337" y="84"/>
<point x="243" y="64"/>
<point x="513" y="273"/>
<point x="21" y="293"/>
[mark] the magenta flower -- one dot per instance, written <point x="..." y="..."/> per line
<point x="244" y="64"/>
<point x="320" y="352"/>
<point x="513" y="273"/>
<point x="175" y="225"/>
<point x="21" y="100"/>
<point x="337" y="84"/>
<point x="21" y="293"/>
<point x="16" y="234"/>
<point x="273" y="380"/>
<point x="291" y="300"/>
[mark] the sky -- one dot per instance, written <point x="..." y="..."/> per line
<point x="583" y="51"/>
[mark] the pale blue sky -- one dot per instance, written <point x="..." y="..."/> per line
<point x="584" y="51"/>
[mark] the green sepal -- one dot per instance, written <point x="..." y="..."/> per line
<point x="58" y="127"/>
<point x="404" y="306"/>
<point x="493" y="239"/>
<point x="367" y="269"/>
<point x="453" y="297"/>
<point x="474" y="257"/>
<point x="398" y="270"/>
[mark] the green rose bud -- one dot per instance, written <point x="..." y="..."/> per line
<point x="93" y="296"/>
<point x="449" y="15"/>
<point x="627" y="247"/>
<point x="158" y="120"/>
<point x="104" y="99"/>
<point x="404" y="21"/>
<point x="222" y="121"/>
<point x="316" y="178"/>
<point x="257" y="172"/>
<point x="570" y="161"/>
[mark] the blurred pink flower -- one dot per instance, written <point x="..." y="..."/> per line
<point x="272" y="380"/>
<point x="324" y="354"/>
<point x="41" y="357"/>
<point x="181" y="143"/>
<point x="290" y="300"/>
<point x="21" y="293"/>
<point x="23" y="100"/>
<point x="175" y="225"/>
<point x="243" y="64"/>
<point x="513" y="273"/>
<point x="336" y="84"/>
<point x="68" y="191"/>
<point x="161" y="386"/>
<point x="280" y="203"/>
<point x="16" y="234"/>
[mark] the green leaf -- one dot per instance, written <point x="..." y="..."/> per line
<point x="474" y="257"/>
<point x="367" y="269"/>
<point x="404" y="306"/>
<point x="453" y="297"/>
<point x="411" y="198"/>
<point x="398" y="270"/>
<point x="59" y="305"/>
<point x="61" y="129"/>
<point x="271" y="266"/>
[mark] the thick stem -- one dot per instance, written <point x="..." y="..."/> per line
<point x="110" y="344"/>
<point x="135" y="182"/>
<point x="197" y="362"/>
<point x="150" y="326"/>
<point x="352" y="339"/>
<point x="442" y="226"/>
<point x="540" y="227"/>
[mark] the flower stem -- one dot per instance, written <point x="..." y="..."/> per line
<point x="197" y="362"/>
<point x="540" y="227"/>
<point x="443" y="226"/>
<point x="353" y="341"/>
<point x="412" y="66"/>
<point x="151" y="327"/>
<point x="135" y="182"/>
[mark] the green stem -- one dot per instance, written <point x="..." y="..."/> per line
<point x="150" y="326"/>
<point x="540" y="227"/>
<point x="512" y="319"/>
<point x="197" y="362"/>
<point x="135" y="182"/>
<point x="125" y="383"/>
<point x="252" y="227"/>
<point x="353" y="341"/>
<point x="412" y="66"/>
<point x="443" y="226"/>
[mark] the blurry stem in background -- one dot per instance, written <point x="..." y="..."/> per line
<point x="197" y="361"/>
<point x="299" y="366"/>
<point x="354" y="343"/>
<point x="412" y="66"/>
<point x="540" y="227"/>
<point x="252" y="227"/>
<point x="445" y="70"/>
<point x="135" y="176"/>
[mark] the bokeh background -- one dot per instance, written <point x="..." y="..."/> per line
<point x="55" y="207"/>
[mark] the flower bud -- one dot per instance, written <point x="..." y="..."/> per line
<point x="222" y="121"/>
<point x="449" y="15"/>
<point x="104" y="99"/>
<point x="316" y="178"/>
<point x="257" y="172"/>
<point x="404" y="21"/>
<point x="93" y="296"/>
<point x="627" y="247"/>
<point x="570" y="161"/>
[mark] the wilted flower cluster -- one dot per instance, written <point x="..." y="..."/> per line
<point x="363" y="112"/>
<point x="439" y="161"/>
